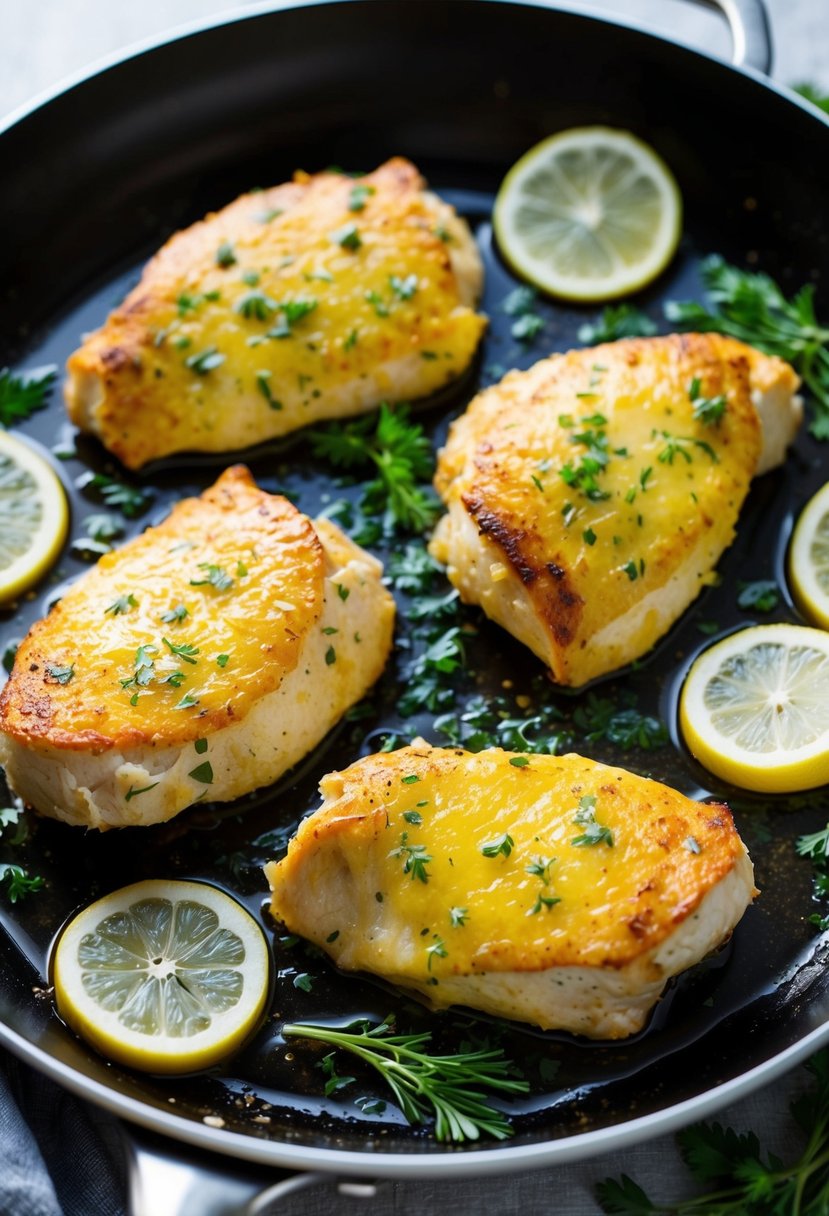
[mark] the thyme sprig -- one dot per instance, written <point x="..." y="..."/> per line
<point x="444" y="1087"/>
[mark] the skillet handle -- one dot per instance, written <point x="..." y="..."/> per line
<point x="168" y="1178"/>
<point x="751" y="41"/>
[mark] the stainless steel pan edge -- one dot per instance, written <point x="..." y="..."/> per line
<point x="483" y="1161"/>
<point x="502" y="1160"/>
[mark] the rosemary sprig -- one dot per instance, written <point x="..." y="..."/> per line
<point x="425" y="1085"/>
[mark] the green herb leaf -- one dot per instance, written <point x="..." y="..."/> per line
<point x="61" y="675"/>
<point x="415" y="858"/>
<point x="205" y="361"/>
<point x="359" y="196"/>
<point x="225" y="255"/>
<point x="617" y="321"/>
<point x="130" y="500"/>
<point x="401" y="457"/>
<point x="216" y="577"/>
<point x="22" y="394"/>
<point x="348" y="237"/>
<point x="122" y="604"/>
<point x="500" y="846"/>
<point x="762" y="596"/>
<point x="751" y="307"/>
<point x="19" y="883"/>
<point x="175" y="615"/>
<point x="203" y="772"/>
<point x="426" y="1085"/>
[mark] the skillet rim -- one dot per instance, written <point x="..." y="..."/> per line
<point x="504" y="1157"/>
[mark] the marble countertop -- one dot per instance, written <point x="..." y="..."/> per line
<point x="41" y="44"/>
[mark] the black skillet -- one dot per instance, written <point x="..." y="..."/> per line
<point x="93" y="180"/>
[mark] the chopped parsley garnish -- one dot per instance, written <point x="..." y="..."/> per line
<point x="527" y="328"/>
<point x="263" y="379"/>
<point x="401" y="456"/>
<point x="205" y="361"/>
<point x="413" y="817"/>
<point x="589" y="536"/>
<point x="225" y="255"/>
<point x="291" y="312"/>
<point x="203" y="773"/>
<point x="19" y="883"/>
<point x="500" y="846"/>
<point x="184" y="650"/>
<point x="415" y="858"/>
<point x="22" y="394"/>
<point x="132" y="792"/>
<point x="436" y="950"/>
<point x="222" y="660"/>
<point x="404" y="289"/>
<point x="174" y="616"/>
<point x="594" y="832"/>
<point x="751" y="307"/>
<point x="677" y="445"/>
<point x="342" y="592"/>
<point x="130" y="500"/>
<point x="519" y="761"/>
<point x="617" y="321"/>
<point x="255" y="306"/>
<point x="305" y="983"/>
<point x="761" y="596"/>
<point x="359" y="196"/>
<point x="377" y="302"/>
<point x="122" y="604"/>
<point x="708" y="410"/>
<point x="351" y="340"/>
<point x="458" y="917"/>
<point x="348" y="237"/>
<point x="103" y="527"/>
<point x="215" y="577"/>
<point x="61" y="675"/>
<point x="330" y="656"/>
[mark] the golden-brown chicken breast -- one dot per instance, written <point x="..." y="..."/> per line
<point x="591" y="496"/>
<point x="316" y="299"/>
<point x="550" y="889"/>
<point x="200" y="660"/>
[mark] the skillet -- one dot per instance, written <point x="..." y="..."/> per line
<point x="94" y="180"/>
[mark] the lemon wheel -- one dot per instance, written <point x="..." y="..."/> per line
<point x="164" y="976"/>
<point x="33" y="516"/>
<point x="589" y="214"/>
<point x="754" y="708"/>
<point x="809" y="560"/>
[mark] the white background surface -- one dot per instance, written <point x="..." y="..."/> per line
<point x="44" y="41"/>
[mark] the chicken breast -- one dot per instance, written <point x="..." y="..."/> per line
<point x="550" y="889"/>
<point x="590" y="497"/>
<point x="200" y="661"/>
<point x="317" y="299"/>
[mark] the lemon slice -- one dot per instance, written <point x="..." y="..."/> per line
<point x="168" y="977"/>
<point x="589" y="214"/>
<point x="754" y="708"/>
<point x="809" y="560"/>
<point x="33" y="516"/>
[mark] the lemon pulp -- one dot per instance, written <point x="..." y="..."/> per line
<point x="754" y="708"/>
<point x="163" y="976"/>
<point x="33" y="516"/>
<point x="809" y="559"/>
<point x="589" y="214"/>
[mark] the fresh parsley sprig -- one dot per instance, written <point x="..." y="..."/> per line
<point x="21" y="395"/>
<point x="401" y="456"/>
<point x="19" y="882"/>
<point x="745" y="1182"/>
<point x="750" y="306"/>
<point x="447" y="1088"/>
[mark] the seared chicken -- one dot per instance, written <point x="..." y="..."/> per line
<point x="199" y="661"/>
<point x="591" y="496"/>
<point x="316" y="299"/>
<point x="550" y="889"/>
